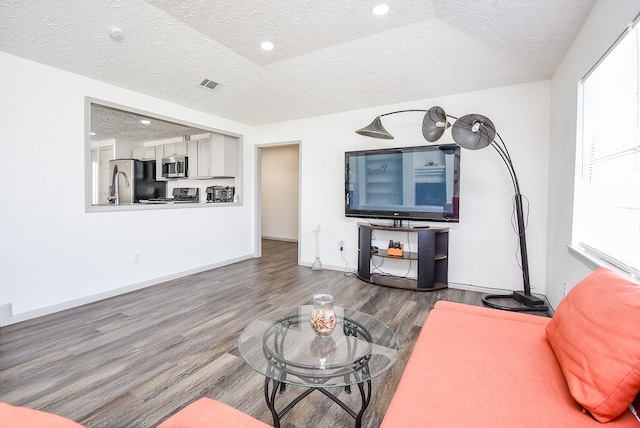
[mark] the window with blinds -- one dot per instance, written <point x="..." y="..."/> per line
<point x="607" y="211"/>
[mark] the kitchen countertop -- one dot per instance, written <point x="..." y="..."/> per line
<point x="143" y="201"/>
<point x="157" y="205"/>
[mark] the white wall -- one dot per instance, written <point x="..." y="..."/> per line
<point x="279" y="177"/>
<point x="483" y="245"/>
<point x="605" y="23"/>
<point x="52" y="253"/>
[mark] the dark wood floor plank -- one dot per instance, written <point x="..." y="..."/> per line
<point x="133" y="360"/>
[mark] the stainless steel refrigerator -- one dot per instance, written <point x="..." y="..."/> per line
<point x="133" y="180"/>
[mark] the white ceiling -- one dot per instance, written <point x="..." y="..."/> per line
<point x="330" y="55"/>
<point x="108" y="123"/>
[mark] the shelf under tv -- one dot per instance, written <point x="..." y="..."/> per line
<point x="432" y="258"/>
<point x="401" y="282"/>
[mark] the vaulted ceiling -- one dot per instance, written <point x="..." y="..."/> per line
<point x="330" y="55"/>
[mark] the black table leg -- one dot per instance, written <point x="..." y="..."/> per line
<point x="272" y="387"/>
<point x="365" y="394"/>
<point x="270" y="398"/>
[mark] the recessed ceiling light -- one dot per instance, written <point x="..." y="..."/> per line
<point x="380" y="9"/>
<point x="145" y="122"/>
<point x="92" y="134"/>
<point x="266" y="45"/>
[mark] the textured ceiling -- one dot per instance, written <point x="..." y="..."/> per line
<point x="330" y="56"/>
<point x="108" y="123"/>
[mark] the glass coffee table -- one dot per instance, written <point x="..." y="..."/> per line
<point x="283" y="347"/>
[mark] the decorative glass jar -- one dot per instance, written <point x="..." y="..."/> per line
<point x="323" y="316"/>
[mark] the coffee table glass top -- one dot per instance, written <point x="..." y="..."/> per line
<point x="282" y="346"/>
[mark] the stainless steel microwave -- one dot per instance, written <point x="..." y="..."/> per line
<point x="175" y="167"/>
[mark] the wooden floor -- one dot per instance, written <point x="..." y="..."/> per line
<point x="135" y="359"/>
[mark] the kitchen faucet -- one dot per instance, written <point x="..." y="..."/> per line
<point x="115" y="197"/>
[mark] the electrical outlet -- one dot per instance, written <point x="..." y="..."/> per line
<point x="341" y="245"/>
<point x="564" y="287"/>
<point x="136" y="258"/>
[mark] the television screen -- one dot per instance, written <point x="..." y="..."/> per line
<point x="410" y="183"/>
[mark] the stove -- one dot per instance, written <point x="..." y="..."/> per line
<point x="181" y="195"/>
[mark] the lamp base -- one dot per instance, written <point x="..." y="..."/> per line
<point x="530" y="302"/>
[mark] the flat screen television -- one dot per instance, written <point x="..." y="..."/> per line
<point x="409" y="183"/>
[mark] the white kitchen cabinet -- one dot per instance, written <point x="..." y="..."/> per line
<point x="167" y="150"/>
<point x="175" y="149"/>
<point x="217" y="156"/>
<point x="224" y="157"/>
<point x="159" y="155"/>
<point x="203" y="159"/>
<point x="192" y="153"/>
<point x="144" y="153"/>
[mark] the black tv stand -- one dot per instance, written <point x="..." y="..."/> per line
<point x="432" y="257"/>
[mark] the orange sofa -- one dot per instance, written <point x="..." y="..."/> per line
<point x="479" y="367"/>
<point x="202" y="413"/>
<point x="484" y="368"/>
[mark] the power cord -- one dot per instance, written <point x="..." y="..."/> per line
<point x="348" y="272"/>
<point x="514" y="225"/>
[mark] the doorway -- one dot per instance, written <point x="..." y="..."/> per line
<point x="278" y="193"/>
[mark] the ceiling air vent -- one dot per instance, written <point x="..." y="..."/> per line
<point x="206" y="83"/>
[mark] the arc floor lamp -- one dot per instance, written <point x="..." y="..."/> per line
<point x="475" y="132"/>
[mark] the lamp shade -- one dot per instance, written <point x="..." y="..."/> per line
<point x="434" y="124"/>
<point x="473" y="132"/>
<point x="375" y="130"/>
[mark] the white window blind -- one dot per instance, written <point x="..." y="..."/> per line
<point x="607" y="211"/>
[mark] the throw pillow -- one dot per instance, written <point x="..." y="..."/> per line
<point x="595" y="336"/>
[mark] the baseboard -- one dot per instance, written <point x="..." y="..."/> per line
<point x="6" y="313"/>
<point x="13" y="319"/>
<point x="455" y="285"/>
<point x="468" y="287"/>
<point x="342" y="268"/>
<point x="7" y="317"/>
<point x="479" y="289"/>
<point x="273" y="238"/>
